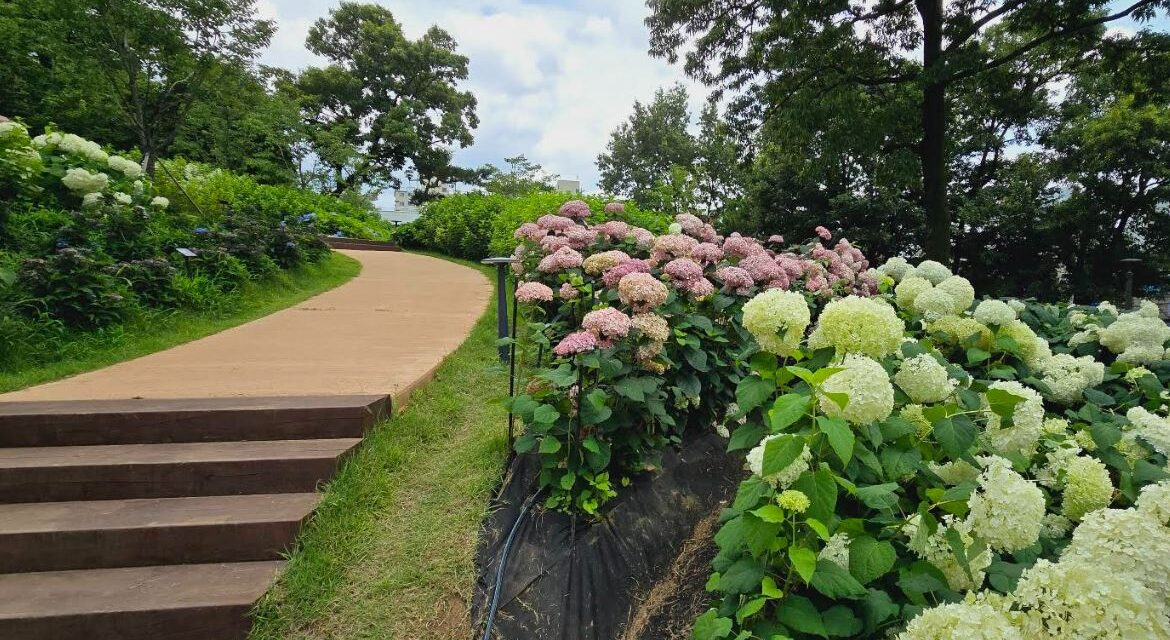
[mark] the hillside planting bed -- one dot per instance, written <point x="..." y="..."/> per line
<point x="918" y="462"/>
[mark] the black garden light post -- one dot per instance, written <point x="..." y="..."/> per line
<point x="501" y="265"/>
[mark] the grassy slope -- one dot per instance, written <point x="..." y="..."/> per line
<point x="389" y="553"/>
<point x="160" y="332"/>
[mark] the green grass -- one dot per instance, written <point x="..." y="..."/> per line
<point x="389" y="553"/>
<point x="158" y="331"/>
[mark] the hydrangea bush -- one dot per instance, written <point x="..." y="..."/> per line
<point x="639" y="336"/>
<point x="923" y="465"/>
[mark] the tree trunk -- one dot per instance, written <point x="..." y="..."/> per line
<point x="934" y="130"/>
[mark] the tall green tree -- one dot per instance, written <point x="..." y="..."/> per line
<point x="812" y="48"/>
<point x="1110" y="148"/>
<point x="158" y="56"/>
<point x="639" y="159"/>
<point x="521" y="177"/>
<point x="386" y="104"/>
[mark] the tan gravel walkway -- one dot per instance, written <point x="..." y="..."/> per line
<point x="382" y="332"/>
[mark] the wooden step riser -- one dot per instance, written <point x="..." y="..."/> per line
<point x="197" y="623"/>
<point x="147" y="422"/>
<point x="215" y="478"/>
<point x="108" y="548"/>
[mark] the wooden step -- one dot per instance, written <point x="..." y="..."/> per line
<point x="116" y="472"/>
<point x="54" y="536"/>
<point x="181" y="602"/>
<point x="103" y="422"/>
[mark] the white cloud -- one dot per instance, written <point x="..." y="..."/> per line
<point x="552" y="80"/>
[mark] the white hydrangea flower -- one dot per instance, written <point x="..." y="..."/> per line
<point x="1077" y="601"/>
<point x="1088" y="335"/>
<point x="1152" y="428"/>
<point x="1026" y="425"/>
<point x="1087" y="487"/>
<point x="82" y="181"/>
<point x="1108" y="308"/>
<point x="961" y="292"/>
<point x="1154" y="500"/>
<point x="994" y="312"/>
<point x="160" y="202"/>
<point x="924" y="379"/>
<point x="909" y="289"/>
<point x="896" y="268"/>
<point x="777" y="319"/>
<point x="786" y="476"/>
<point x="78" y="146"/>
<point x="1007" y="511"/>
<point x="938" y="553"/>
<point x="934" y="303"/>
<point x="1018" y="305"/>
<point x="139" y="187"/>
<point x="966" y="620"/>
<point x="122" y="198"/>
<point x="858" y="325"/>
<point x="1129" y="541"/>
<point x="836" y="550"/>
<point x="1147" y="309"/>
<point x="1051" y="473"/>
<point x="1055" y="526"/>
<point x="1033" y="349"/>
<point x="1068" y="376"/>
<point x="933" y="271"/>
<point x="91" y="200"/>
<point x="128" y="167"/>
<point x="1136" y="339"/>
<point x="1078" y="319"/>
<point x="865" y="381"/>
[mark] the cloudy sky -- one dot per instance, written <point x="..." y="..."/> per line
<point x="553" y="78"/>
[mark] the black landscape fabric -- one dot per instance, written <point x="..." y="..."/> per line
<point x="559" y="586"/>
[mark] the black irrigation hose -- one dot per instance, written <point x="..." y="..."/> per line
<point x="502" y="565"/>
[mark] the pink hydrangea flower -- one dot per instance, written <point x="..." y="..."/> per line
<point x="614" y="275"/>
<point x="568" y="292"/>
<point x="793" y="265"/>
<point x="817" y="284"/>
<point x="781" y="281"/>
<point x="580" y="237"/>
<point x="574" y="343"/>
<point x="575" y="209"/>
<point x="643" y="237"/>
<point x="615" y="207"/>
<point x="642" y="291"/>
<point x="761" y="267"/>
<point x="699" y="288"/>
<point x="607" y="324"/>
<point x="552" y="244"/>
<point x="707" y="253"/>
<point x="564" y="258"/>
<point x="533" y="292"/>
<point x="683" y="269"/>
<point x="824" y="233"/>
<point x="735" y="278"/>
<point x="672" y="245"/>
<point x="530" y="231"/>
<point x="776" y="239"/>
<point x="555" y="223"/>
<point x="741" y="247"/>
<point x="598" y="263"/>
<point x="614" y="229"/>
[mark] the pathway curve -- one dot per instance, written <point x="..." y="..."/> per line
<point x="380" y="333"/>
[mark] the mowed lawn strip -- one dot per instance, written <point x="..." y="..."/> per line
<point x="159" y="331"/>
<point x="390" y="551"/>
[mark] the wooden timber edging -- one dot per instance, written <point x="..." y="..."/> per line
<point x="359" y="244"/>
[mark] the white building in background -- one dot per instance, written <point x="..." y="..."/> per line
<point x="404" y="211"/>
<point x="569" y="186"/>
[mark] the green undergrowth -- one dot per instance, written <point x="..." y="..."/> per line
<point x="390" y="550"/>
<point x="80" y="351"/>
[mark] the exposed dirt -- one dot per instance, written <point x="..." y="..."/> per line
<point x="670" y="608"/>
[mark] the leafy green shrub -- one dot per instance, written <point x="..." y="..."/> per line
<point x="74" y="287"/>
<point x="151" y="280"/>
<point x="217" y="193"/>
<point x="477" y="225"/>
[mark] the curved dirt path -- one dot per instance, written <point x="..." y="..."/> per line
<point x="382" y="332"/>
